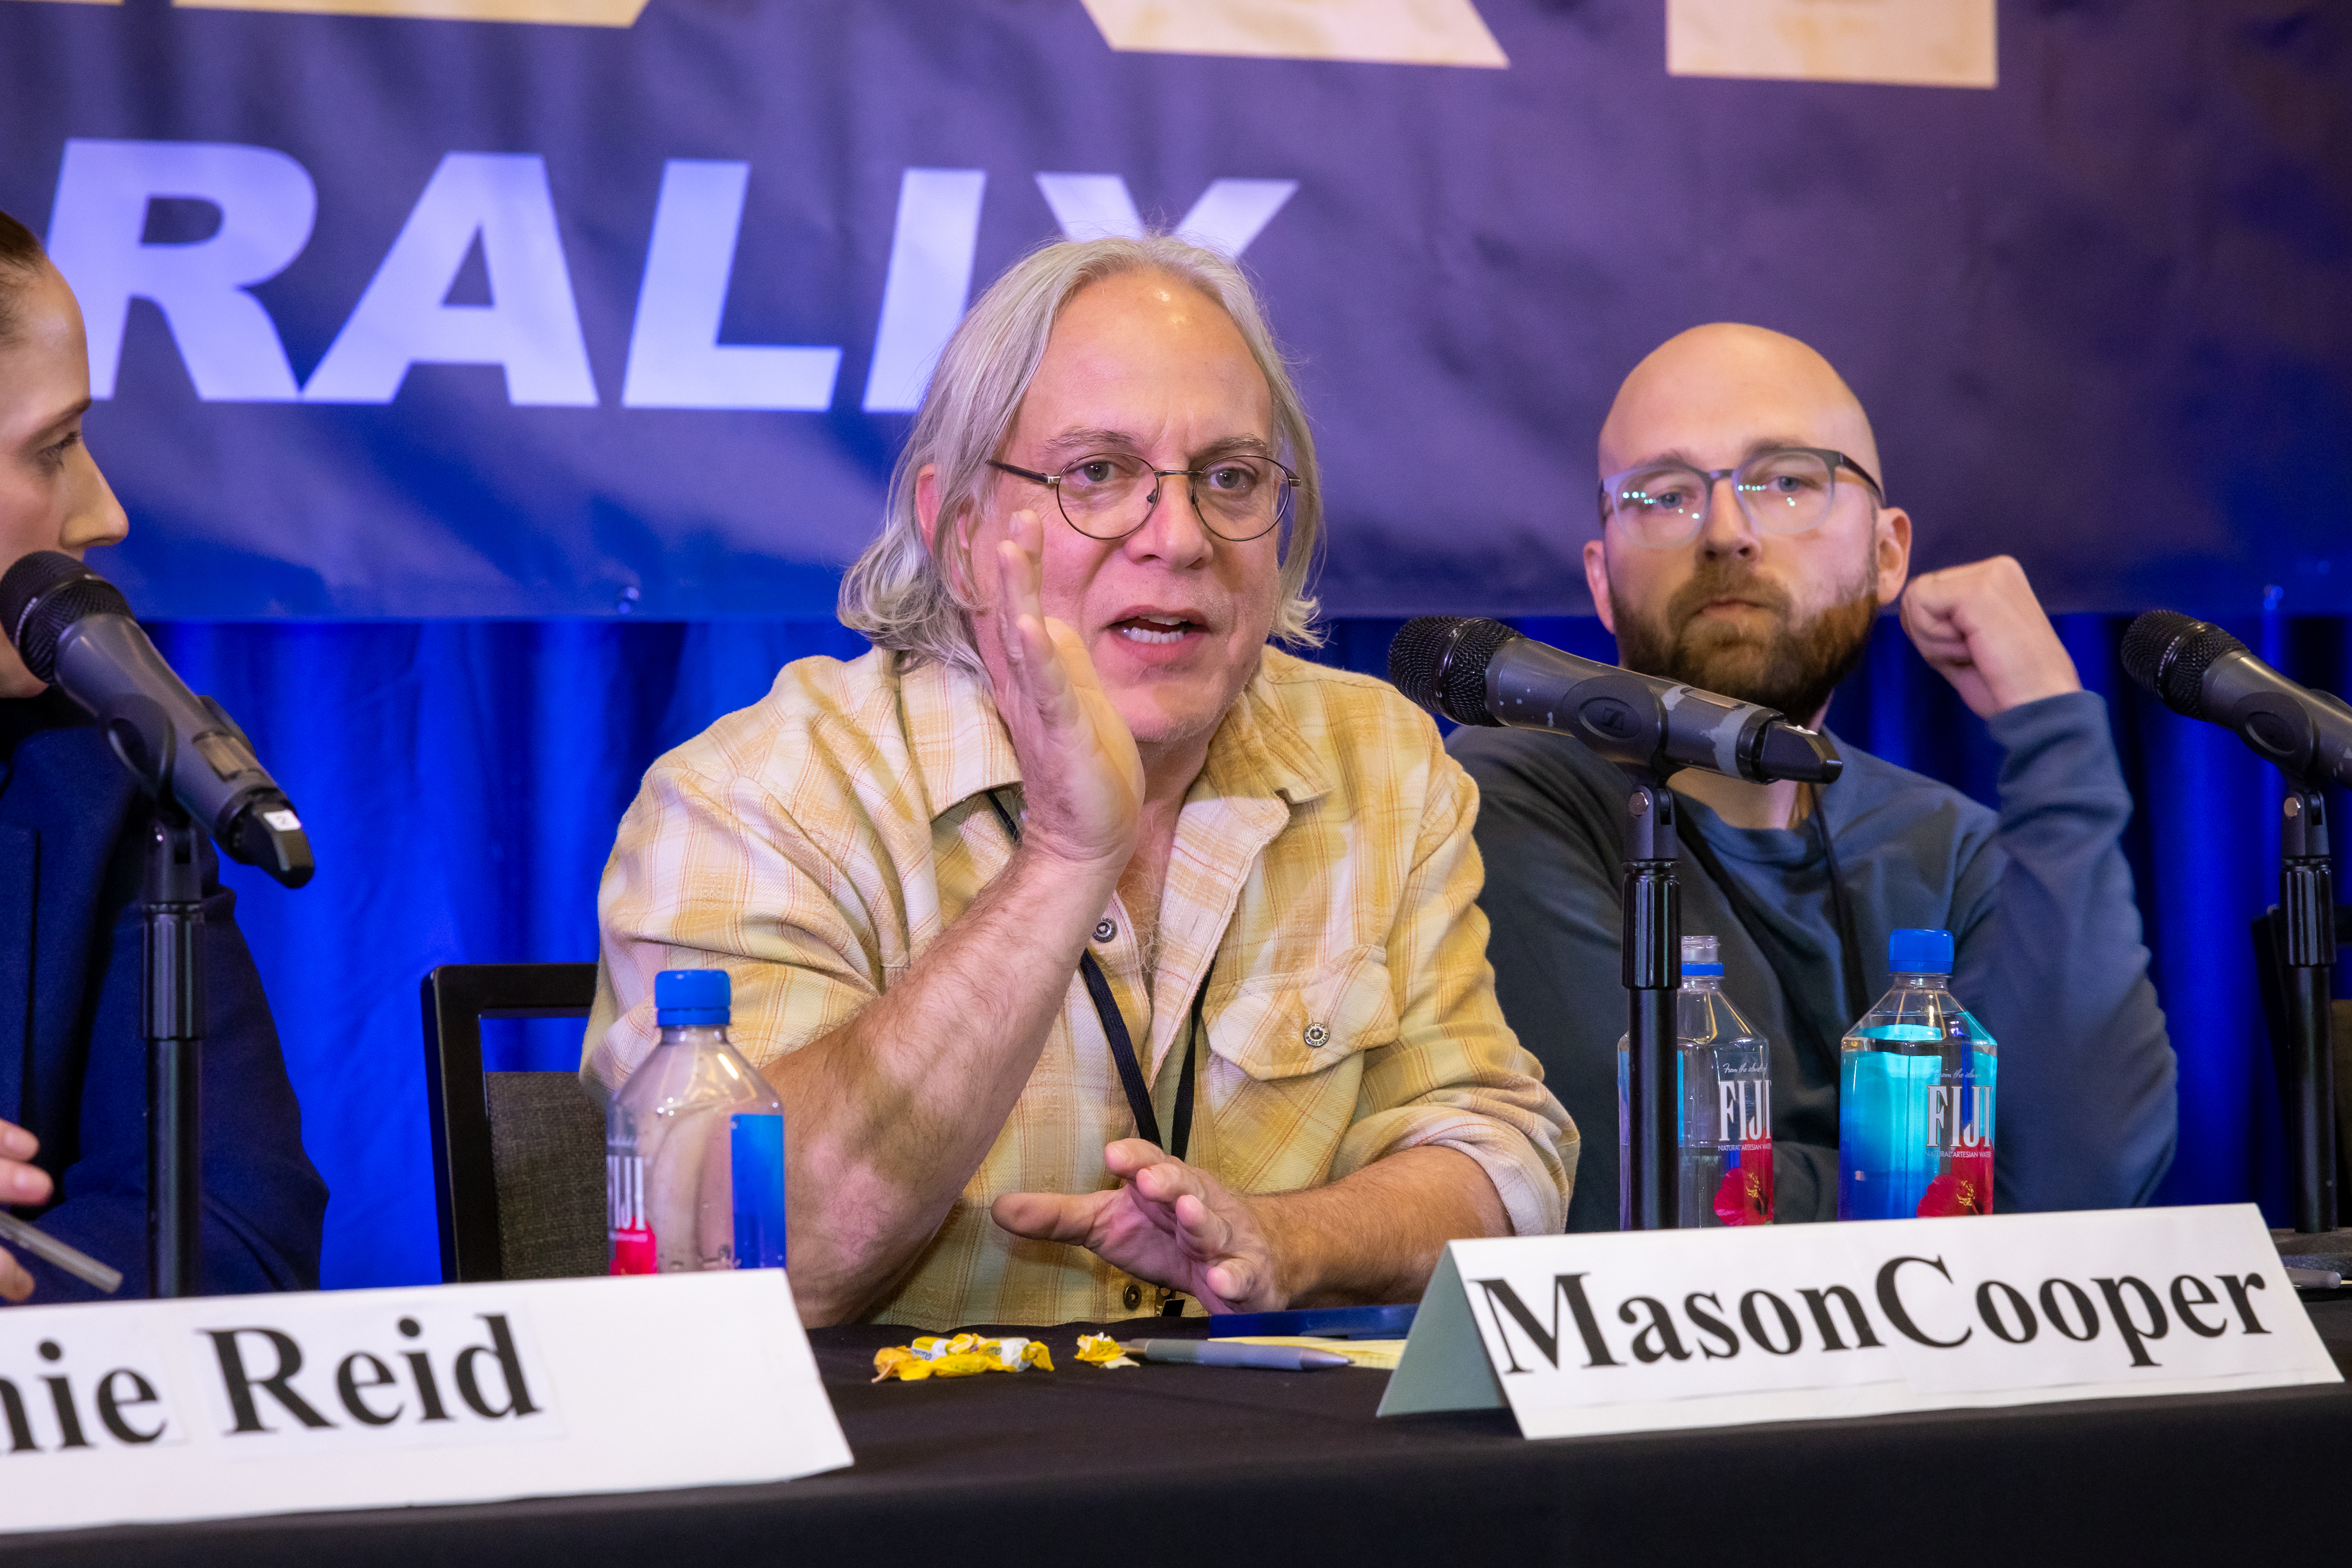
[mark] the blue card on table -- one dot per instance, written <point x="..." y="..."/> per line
<point x="1325" y="1322"/>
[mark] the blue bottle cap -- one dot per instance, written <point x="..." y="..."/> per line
<point x="692" y="997"/>
<point x="1916" y="952"/>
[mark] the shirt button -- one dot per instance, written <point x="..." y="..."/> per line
<point x="1133" y="1297"/>
<point x="1104" y="931"/>
<point x="1318" y="1036"/>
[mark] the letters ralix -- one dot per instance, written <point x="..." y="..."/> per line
<point x="1916" y="1297"/>
<point x="500" y="207"/>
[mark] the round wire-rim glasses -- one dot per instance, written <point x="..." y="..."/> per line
<point x="1782" y="490"/>
<point x="1237" y="498"/>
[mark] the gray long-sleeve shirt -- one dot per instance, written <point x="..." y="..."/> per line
<point x="2038" y="899"/>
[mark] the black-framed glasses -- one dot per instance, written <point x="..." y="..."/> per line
<point x="1111" y="494"/>
<point x="1782" y="490"/>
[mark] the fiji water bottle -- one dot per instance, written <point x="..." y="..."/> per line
<point x="694" y="1145"/>
<point x="1915" y="1095"/>
<point x="1723" y="1073"/>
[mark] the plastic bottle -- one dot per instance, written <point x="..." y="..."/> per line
<point x="1915" y="1095"/>
<point x="1723" y="1073"/>
<point x="694" y="1145"/>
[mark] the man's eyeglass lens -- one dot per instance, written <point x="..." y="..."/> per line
<point x="1665" y="504"/>
<point x="1237" y="498"/>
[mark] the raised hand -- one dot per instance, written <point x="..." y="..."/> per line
<point x="1081" y="776"/>
<point x="1168" y="1222"/>
<point x="1983" y="630"/>
<point x="20" y="1183"/>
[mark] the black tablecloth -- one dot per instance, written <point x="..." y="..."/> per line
<point x="1209" y="1467"/>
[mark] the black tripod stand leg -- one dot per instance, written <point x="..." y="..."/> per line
<point x="2307" y="911"/>
<point x="1653" y="973"/>
<point x="172" y="1022"/>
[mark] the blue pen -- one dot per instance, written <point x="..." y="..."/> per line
<point x="1222" y="1352"/>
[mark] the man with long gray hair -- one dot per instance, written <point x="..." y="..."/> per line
<point x="1074" y="857"/>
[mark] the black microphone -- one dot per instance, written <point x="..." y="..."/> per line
<point x="73" y="629"/>
<point x="2201" y="670"/>
<point x="1477" y="671"/>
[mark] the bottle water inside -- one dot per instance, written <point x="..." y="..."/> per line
<point x="1723" y="1086"/>
<point x="1915" y="1095"/>
<point x="694" y="1145"/>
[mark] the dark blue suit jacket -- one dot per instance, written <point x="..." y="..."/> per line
<point x="73" y="1067"/>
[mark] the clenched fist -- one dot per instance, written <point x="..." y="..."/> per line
<point x="1983" y="630"/>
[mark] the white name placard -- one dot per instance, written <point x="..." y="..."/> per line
<point x="1637" y="1332"/>
<point x="119" y="1412"/>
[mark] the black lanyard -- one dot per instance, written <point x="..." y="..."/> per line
<point x="1122" y="1044"/>
<point x="1857" y="999"/>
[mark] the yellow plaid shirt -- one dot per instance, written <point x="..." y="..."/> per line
<point x="815" y="844"/>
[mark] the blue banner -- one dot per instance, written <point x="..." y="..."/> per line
<point x="396" y="317"/>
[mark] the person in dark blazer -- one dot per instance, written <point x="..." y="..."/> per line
<point x="73" y="834"/>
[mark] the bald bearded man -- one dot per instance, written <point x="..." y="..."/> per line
<point x="1746" y="548"/>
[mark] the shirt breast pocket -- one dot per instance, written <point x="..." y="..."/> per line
<point x="1291" y="1025"/>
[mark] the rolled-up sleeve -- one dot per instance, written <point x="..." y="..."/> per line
<point x="1455" y="1076"/>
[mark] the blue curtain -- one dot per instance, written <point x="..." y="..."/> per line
<point x="462" y="779"/>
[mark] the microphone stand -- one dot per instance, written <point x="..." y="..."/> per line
<point x="2307" y="907"/>
<point x="1653" y="974"/>
<point x="171" y="997"/>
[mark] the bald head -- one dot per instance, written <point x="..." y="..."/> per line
<point x="1772" y="616"/>
<point x="1712" y="395"/>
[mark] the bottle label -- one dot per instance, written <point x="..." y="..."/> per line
<point x="625" y="1204"/>
<point x="1966" y="1188"/>
<point x="1744" y="1110"/>
<point x="1744" y="1128"/>
<point x="756" y="1145"/>
<point x="1960" y="1132"/>
<point x="1959" y="1116"/>
<point x="1723" y="1136"/>
<point x="1916" y="1133"/>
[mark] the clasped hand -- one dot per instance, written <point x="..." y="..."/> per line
<point x="20" y="1183"/>
<point x="1168" y="1222"/>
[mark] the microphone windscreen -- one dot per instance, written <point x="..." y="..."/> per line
<point x="1440" y="662"/>
<point x="1414" y="654"/>
<point x="44" y="593"/>
<point x="2169" y="653"/>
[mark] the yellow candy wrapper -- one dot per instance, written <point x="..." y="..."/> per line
<point x="1102" y="1351"/>
<point x="899" y="1361"/>
<point x="962" y="1355"/>
<point x="931" y="1347"/>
